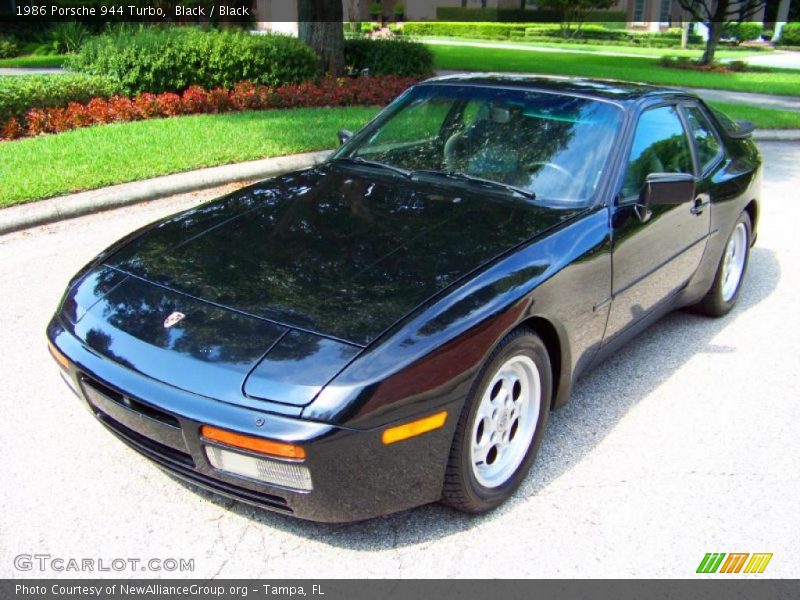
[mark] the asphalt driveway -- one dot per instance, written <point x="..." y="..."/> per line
<point x="686" y="442"/>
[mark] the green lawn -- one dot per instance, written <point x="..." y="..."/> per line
<point x="764" y="118"/>
<point x="639" y="50"/>
<point x="33" y="61"/>
<point x="466" y="58"/>
<point x="93" y="157"/>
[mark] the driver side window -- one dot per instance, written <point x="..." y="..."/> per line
<point x="660" y="145"/>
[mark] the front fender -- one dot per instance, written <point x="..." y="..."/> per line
<point x="431" y="359"/>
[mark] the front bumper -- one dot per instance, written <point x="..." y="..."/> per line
<point x="354" y="475"/>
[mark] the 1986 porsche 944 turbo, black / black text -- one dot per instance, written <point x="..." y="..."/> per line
<point x="393" y="327"/>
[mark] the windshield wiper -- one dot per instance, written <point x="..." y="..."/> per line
<point x="459" y="176"/>
<point x="374" y="163"/>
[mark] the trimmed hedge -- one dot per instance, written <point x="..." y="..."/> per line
<point x="171" y="60"/>
<point x="488" y="30"/>
<point x="546" y="32"/>
<point x="388" y="57"/>
<point x="20" y="93"/>
<point x="457" y="13"/>
<point x="790" y="34"/>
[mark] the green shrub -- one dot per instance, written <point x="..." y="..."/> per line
<point x="388" y="57"/>
<point x="399" y="11"/>
<point x="676" y="62"/>
<point x="68" y="36"/>
<point x="375" y="10"/>
<point x="170" y="60"/>
<point x="790" y="34"/>
<point x="743" y="32"/>
<point x="738" y="66"/>
<point x="8" y="48"/>
<point x="365" y="27"/>
<point x="19" y="93"/>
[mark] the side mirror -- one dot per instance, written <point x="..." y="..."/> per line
<point x="668" y="188"/>
<point x="344" y="135"/>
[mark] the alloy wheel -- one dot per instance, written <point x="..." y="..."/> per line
<point x="506" y="421"/>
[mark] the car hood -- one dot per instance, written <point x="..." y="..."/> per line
<point x="335" y="251"/>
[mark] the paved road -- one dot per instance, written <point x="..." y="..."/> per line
<point x="783" y="59"/>
<point x="763" y="100"/>
<point x="685" y="442"/>
<point x="13" y="71"/>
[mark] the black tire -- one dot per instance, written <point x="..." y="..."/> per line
<point x="713" y="303"/>
<point x="461" y="489"/>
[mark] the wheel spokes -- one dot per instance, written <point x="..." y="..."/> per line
<point x="497" y="447"/>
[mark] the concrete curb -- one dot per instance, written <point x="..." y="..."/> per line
<point x="776" y="135"/>
<point x="75" y="205"/>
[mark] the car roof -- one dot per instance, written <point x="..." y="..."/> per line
<point x="599" y="88"/>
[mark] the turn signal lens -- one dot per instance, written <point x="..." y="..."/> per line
<point x="60" y="358"/>
<point x="414" y="428"/>
<point x="284" y="474"/>
<point x="253" y="444"/>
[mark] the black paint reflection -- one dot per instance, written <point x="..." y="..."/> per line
<point x="296" y="369"/>
<point x="87" y="292"/>
<point x="341" y="253"/>
<point x="209" y="352"/>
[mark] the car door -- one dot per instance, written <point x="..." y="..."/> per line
<point x="656" y="249"/>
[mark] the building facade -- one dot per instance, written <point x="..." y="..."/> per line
<point x="653" y="15"/>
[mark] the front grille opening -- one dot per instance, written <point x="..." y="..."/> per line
<point x="132" y="404"/>
<point x="144" y="444"/>
<point x="270" y="501"/>
<point x="182" y="466"/>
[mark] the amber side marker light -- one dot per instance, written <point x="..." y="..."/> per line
<point x="414" y="428"/>
<point x="254" y="444"/>
<point x="59" y="358"/>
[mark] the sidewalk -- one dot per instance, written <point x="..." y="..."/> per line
<point x="12" y="71"/>
<point x="761" y="100"/>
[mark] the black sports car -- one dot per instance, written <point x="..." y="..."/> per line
<point x="393" y="327"/>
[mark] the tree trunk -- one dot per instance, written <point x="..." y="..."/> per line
<point x="782" y="17"/>
<point x="715" y="26"/>
<point x="714" y="35"/>
<point x="320" y="26"/>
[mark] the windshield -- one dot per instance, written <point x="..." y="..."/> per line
<point x="552" y="145"/>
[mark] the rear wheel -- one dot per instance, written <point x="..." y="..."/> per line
<point x="732" y="267"/>
<point x="501" y="426"/>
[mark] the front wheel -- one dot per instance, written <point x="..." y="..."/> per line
<point x="501" y="426"/>
<point x="732" y="267"/>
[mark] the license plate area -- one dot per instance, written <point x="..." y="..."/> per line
<point x="141" y="418"/>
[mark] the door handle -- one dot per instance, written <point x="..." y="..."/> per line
<point x="699" y="205"/>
